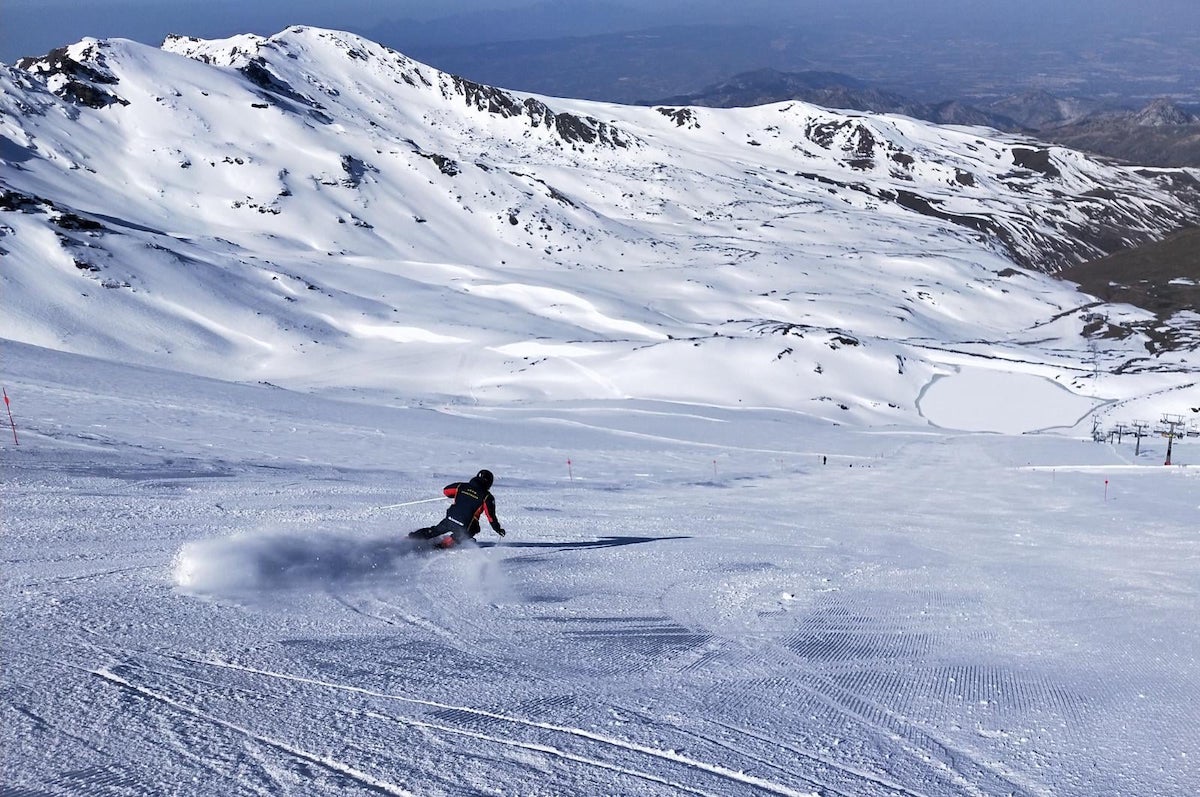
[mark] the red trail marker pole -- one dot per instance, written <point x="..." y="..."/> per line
<point x="10" y="417"/>
<point x="1106" y="489"/>
<point x="570" y="474"/>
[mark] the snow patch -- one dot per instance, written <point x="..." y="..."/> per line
<point x="399" y="334"/>
<point x="553" y="303"/>
<point x="531" y="348"/>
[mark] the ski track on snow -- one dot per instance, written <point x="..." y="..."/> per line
<point x="323" y="761"/>
<point x="665" y="755"/>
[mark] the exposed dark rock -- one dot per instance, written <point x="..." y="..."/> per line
<point x="572" y="128"/>
<point x="857" y="141"/>
<point x="822" y="134"/>
<point x="487" y="98"/>
<point x="280" y="93"/>
<point x="448" y="166"/>
<point x="23" y="203"/>
<point x="930" y="207"/>
<point x="82" y="93"/>
<point x="355" y="170"/>
<point x="568" y="127"/>
<point x="1037" y="160"/>
<point x="683" y="117"/>
<point x="862" y="148"/>
<point x="84" y="82"/>
<point x="555" y="194"/>
<point x="70" y="221"/>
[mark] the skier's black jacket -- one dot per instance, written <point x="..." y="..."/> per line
<point x="471" y="499"/>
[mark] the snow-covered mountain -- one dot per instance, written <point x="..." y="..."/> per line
<point x="313" y="209"/>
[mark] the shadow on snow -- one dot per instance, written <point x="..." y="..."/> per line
<point x="603" y="542"/>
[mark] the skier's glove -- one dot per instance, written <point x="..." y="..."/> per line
<point x="500" y="531"/>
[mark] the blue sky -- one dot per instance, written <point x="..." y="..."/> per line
<point x="32" y="27"/>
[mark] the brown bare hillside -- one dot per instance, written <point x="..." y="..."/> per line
<point x="1162" y="277"/>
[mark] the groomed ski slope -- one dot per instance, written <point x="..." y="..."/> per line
<point x="203" y="596"/>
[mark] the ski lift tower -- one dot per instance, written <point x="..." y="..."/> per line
<point x="1170" y="427"/>
<point x="1140" y="428"/>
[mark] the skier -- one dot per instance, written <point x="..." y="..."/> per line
<point x="471" y="499"/>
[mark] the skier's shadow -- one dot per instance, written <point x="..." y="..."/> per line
<point x="603" y="542"/>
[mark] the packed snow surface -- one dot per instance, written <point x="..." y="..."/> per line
<point x="208" y="590"/>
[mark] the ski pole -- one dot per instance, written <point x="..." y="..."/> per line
<point x="410" y="503"/>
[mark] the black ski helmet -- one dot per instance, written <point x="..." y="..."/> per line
<point x="485" y="478"/>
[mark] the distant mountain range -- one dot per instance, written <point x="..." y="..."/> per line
<point x="317" y="210"/>
<point x="1160" y="134"/>
<point x="832" y="90"/>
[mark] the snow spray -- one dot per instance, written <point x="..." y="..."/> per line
<point x="258" y="563"/>
<point x="11" y="422"/>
